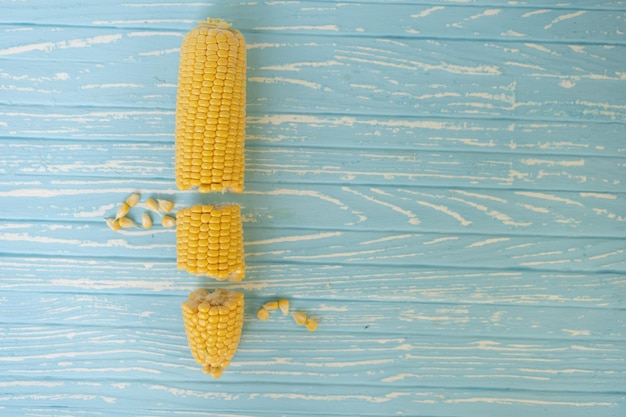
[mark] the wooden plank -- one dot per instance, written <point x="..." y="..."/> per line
<point x="408" y="19"/>
<point x="396" y="208"/>
<point x="324" y="283"/>
<point x="353" y="75"/>
<point x="318" y="247"/>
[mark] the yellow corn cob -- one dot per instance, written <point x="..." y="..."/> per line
<point x="213" y="323"/>
<point x="209" y="241"/>
<point x="211" y="109"/>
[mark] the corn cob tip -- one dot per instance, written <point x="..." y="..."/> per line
<point x="213" y="323"/>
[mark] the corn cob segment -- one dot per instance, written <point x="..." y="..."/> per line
<point x="209" y="241"/>
<point x="213" y="323"/>
<point x="211" y="109"/>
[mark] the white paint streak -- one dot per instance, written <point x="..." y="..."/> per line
<point x="282" y="80"/>
<point x="112" y="85"/>
<point x="440" y="240"/>
<point x="51" y="46"/>
<point x="549" y="197"/>
<point x="511" y="401"/>
<point x="553" y="163"/>
<point x="427" y="12"/>
<point x="294" y="238"/>
<point x="564" y="17"/>
<point x="486" y="242"/>
<point x="325" y="28"/>
<point x="387" y="239"/>
<point x="445" y="210"/>
<point x="602" y="196"/>
<point x="577" y="332"/>
<point x="412" y="218"/>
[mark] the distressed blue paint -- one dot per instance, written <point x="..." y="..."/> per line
<point x="441" y="183"/>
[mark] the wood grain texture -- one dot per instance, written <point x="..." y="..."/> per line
<point x="440" y="183"/>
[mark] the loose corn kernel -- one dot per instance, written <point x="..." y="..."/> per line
<point x="211" y="109"/>
<point x="299" y="317"/>
<point x="284" y="306"/>
<point x="263" y="314"/>
<point x="132" y="200"/>
<point x="146" y="221"/>
<point x="168" y="221"/>
<point x="165" y="205"/>
<point x="209" y="241"/>
<point x="114" y="224"/>
<point x="152" y="205"/>
<point x="126" y="223"/>
<point x="271" y="305"/>
<point x="213" y="323"/>
<point x="122" y="210"/>
<point x="310" y="324"/>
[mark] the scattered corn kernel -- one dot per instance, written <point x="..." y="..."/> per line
<point x="310" y="324"/>
<point x="122" y="210"/>
<point x="210" y="109"/>
<point x="299" y="317"/>
<point x="151" y="204"/>
<point x="165" y="205"/>
<point x="132" y="200"/>
<point x="284" y="306"/>
<point x="114" y="224"/>
<point x="271" y="305"/>
<point x="168" y="221"/>
<point x="146" y="221"/>
<point x="126" y="223"/>
<point x="213" y="323"/>
<point x="263" y="314"/>
<point x="209" y="241"/>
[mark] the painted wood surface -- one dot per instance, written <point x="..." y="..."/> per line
<point x="440" y="183"/>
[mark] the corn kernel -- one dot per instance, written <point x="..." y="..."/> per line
<point x="299" y="317"/>
<point x="168" y="221"/>
<point x="152" y="205"/>
<point x="114" y="224"/>
<point x="209" y="241"/>
<point x="132" y="200"/>
<point x="263" y="314"/>
<point x="122" y="210"/>
<point x="210" y="109"/>
<point x="126" y="223"/>
<point x="213" y="324"/>
<point x="165" y="205"/>
<point x="271" y="305"/>
<point x="284" y="306"/>
<point x="310" y="324"/>
<point x="146" y="221"/>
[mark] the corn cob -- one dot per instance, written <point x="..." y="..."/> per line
<point x="210" y="109"/>
<point x="209" y="241"/>
<point x="213" y="323"/>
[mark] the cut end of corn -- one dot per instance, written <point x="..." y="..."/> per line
<point x="213" y="323"/>
<point x="211" y="108"/>
<point x="209" y="241"/>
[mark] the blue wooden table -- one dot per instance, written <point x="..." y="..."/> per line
<point x="441" y="183"/>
